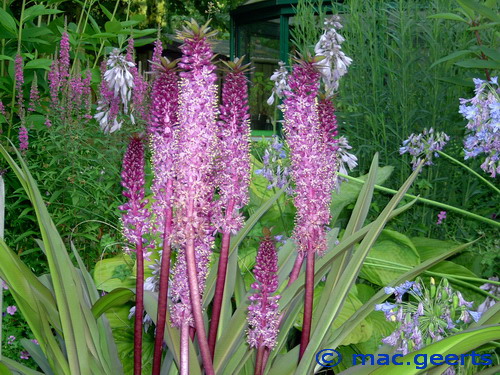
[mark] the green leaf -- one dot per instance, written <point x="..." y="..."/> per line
<point x="451" y="56"/>
<point x="37" y="10"/>
<point x="39" y="64"/>
<point x="5" y="57"/>
<point x="429" y="248"/>
<point x="115" y="298"/>
<point x="391" y="250"/>
<point x="8" y="22"/>
<point x="480" y="9"/>
<point x="106" y="276"/>
<point x="448" y="16"/>
<point x="106" y="12"/>
<point x="112" y="26"/>
<point x="478" y="64"/>
<point x="4" y="370"/>
<point x="484" y="26"/>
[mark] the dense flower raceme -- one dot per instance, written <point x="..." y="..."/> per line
<point x="195" y="159"/>
<point x="429" y="316"/>
<point x="23" y="138"/>
<point x="64" y="59"/>
<point x="312" y="170"/>
<point x="279" y="77"/>
<point x="276" y="166"/>
<point x="263" y="317"/>
<point x="23" y="131"/>
<point x="163" y="131"/>
<point x="34" y="96"/>
<point x="424" y="146"/>
<point x="233" y="178"/>
<point x="335" y="62"/>
<point x="136" y="215"/>
<point x="483" y="127"/>
<point x="116" y="91"/>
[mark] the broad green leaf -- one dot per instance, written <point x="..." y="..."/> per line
<point x="17" y="367"/>
<point x="112" y="26"/>
<point x="116" y="297"/>
<point x="5" y="57"/>
<point x="39" y="64"/>
<point x="7" y="21"/>
<point x="391" y="250"/>
<point x="479" y="64"/>
<point x="448" y="16"/>
<point x="113" y="273"/>
<point x="428" y="248"/>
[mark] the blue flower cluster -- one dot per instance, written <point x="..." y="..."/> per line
<point x="429" y="315"/>
<point x="424" y="146"/>
<point x="483" y="115"/>
<point x="276" y="169"/>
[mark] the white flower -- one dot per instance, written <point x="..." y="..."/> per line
<point x="345" y="159"/>
<point x="119" y="78"/>
<point x="335" y="62"/>
<point x="279" y="78"/>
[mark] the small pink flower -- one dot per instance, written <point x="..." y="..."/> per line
<point x="35" y="341"/>
<point x="11" y="339"/>
<point x="11" y="310"/>
<point x="48" y="123"/>
<point x="24" y="355"/>
<point x="4" y="285"/>
<point x="441" y="217"/>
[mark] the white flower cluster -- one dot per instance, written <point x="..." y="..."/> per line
<point x="280" y="84"/>
<point x="120" y="83"/>
<point x="335" y="62"/>
<point x="120" y="80"/>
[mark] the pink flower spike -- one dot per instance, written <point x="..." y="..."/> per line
<point x="263" y="317"/>
<point x="64" y="60"/>
<point x="23" y="138"/>
<point x="11" y="310"/>
<point x="19" y="74"/>
<point x="34" y="96"/>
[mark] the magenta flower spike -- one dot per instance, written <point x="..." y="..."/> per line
<point x="163" y="136"/>
<point x="54" y="84"/>
<point x="134" y="220"/>
<point x="19" y="75"/>
<point x="157" y="54"/>
<point x="312" y="172"/>
<point x="34" y="96"/>
<point x="23" y="138"/>
<point x="263" y="316"/>
<point x="233" y="177"/>
<point x="64" y="60"/>
<point x="197" y="146"/>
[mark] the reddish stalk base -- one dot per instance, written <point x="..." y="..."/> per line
<point x="308" y="303"/>
<point x="139" y="311"/>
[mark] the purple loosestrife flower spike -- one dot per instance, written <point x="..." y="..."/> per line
<point x="64" y="58"/>
<point x="19" y="74"/>
<point x="34" y="96"/>
<point x="263" y="317"/>
<point x="23" y="138"/>
<point x="54" y="84"/>
<point x="157" y="54"/>
<point x="140" y="86"/>
<point x="195" y="161"/>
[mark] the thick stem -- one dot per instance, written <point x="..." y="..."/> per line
<point x="220" y="283"/>
<point x="194" y="292"/>
<point x="163" y="292"/>
<point x="184" y="350"/>
<point x="259" y="361"/>
<point x="139" y="311"/>
<point x="296" y="268"/>
<point x="308" y="302"/>
<point x="265" y="358"/>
